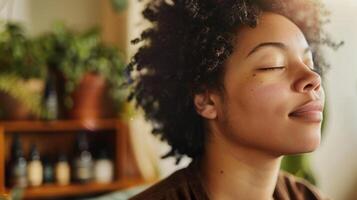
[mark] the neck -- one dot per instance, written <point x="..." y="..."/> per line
<point x="237" y="172"/>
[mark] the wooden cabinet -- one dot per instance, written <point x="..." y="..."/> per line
<point x="55" y="136"/>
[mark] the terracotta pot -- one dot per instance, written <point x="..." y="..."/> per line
<point x="91" y="99"/>
<point x="13" y="109"/>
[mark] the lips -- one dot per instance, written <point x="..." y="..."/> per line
<point x="309" y="112"/>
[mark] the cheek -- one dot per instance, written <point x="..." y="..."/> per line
<point x="256" y="111"/>
<point x="256" y="108"/>
<point x="267" y="99"/>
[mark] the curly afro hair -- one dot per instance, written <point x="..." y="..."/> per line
<point x="184" y="51"/>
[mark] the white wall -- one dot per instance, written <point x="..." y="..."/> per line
<point x="335" y="162"/>
<point x="39" y="15"/>
<point x="15" y="11"/>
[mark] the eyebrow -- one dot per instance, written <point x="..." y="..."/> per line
<point x="273" y="44"/>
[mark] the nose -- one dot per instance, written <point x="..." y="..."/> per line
<point x="307" y="81"/>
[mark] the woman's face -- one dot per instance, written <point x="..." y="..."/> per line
<point x="273" y="98"/>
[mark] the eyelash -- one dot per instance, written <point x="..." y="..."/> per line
<point x="317" y="71"/>
<point x="272" y="68"/>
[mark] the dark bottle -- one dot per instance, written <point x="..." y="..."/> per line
<point x="48" y="170"/>
<point x="83" y="160"/>
<point x="50" y="98"/>
<point x="34" y="168"/>
<point x="17" y="165"/>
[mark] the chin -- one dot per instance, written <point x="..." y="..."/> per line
<point x="305" y="146"/>
<point x="307" y="138"/>
<point x="305" y="150"/>
<point x="306" y="142"/>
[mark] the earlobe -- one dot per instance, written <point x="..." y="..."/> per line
<point x="205" y="106"/>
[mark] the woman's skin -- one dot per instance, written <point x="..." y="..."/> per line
<point x="272" y="106"/>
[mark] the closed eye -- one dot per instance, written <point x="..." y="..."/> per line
<point x="271" y="68"/>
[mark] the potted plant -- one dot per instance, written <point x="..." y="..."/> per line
<point x="22" y="69"/>
<point x="92" y="73"/>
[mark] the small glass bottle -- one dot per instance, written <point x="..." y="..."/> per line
<point x="48" y="170"/>
<point x="83" y="161"/>
<point x="103" y="168"/>
<point x="17" y="165"/>
<point x="50" y="98"/>
<point x="63" y="171"/>
<point x="34" y="168"/>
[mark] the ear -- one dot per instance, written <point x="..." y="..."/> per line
<point x="205" y="105"/>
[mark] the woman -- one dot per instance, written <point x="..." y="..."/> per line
<point x="235" y="85"/>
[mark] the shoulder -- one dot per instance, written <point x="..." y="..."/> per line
<point x="298" y="188"/>
<point x="166" y="189"/>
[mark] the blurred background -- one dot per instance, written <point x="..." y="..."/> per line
<point x="64" y="119"/>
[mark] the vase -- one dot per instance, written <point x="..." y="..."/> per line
<point x="91" y="99"/>
<point x="13" y="108"/>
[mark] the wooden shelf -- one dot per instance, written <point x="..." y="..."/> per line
<point x="60" y="125"/>
<point x="126" y="170"/>
<point x="52" y="190"/>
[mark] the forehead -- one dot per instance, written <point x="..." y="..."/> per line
<point x="271" y="27"/>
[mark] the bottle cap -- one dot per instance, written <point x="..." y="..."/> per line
<point x="34" y="153"/>
<point x="62" y="158"/>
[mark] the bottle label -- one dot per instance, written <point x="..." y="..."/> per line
<point x="63" y="173"/>
<point x="35" y="173"/>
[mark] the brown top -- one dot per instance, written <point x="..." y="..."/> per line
<point x="185" y="184"/>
